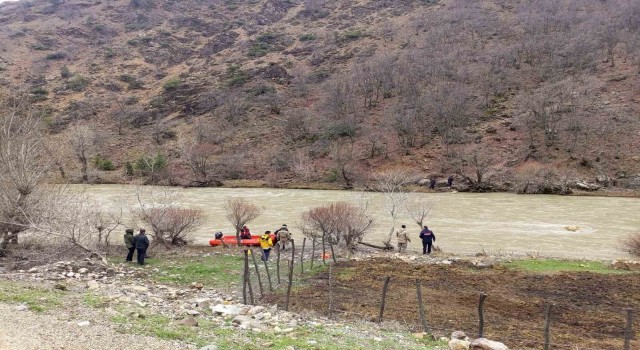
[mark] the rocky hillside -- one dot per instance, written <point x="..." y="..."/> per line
<point x="524" y="95"/>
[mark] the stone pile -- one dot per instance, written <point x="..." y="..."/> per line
<point x="460" y="341"/>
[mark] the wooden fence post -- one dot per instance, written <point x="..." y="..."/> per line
<point x="244" y="278"/>
<point x="423" y="319"/>
<point x="324" y="250"/>
<point x="255" y="264"/>
<point x="313" y="251"/>
<point x="384" y="298"/>
<point x="483" y="296"/>
<point x="330" y="292"/>
<point x="293" y="252"/>
<point x="628" y="333"/>
<point x="266" y="267"/>
<point x="278" y="264"/>
<point x="333" y="253"/>
<point x="304" y="240"/>
<point x="547" y="325"/>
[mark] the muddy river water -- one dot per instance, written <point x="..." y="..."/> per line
<point x="464" y="223"/>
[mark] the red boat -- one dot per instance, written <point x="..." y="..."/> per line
<point x="254" y="241"/>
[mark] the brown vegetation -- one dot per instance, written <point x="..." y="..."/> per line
<point x="326" y="91"/>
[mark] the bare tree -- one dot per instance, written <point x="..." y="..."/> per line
<point x="632" y="243"/>
<point x="162" y="210"/>
<point x="198" y="152"/>
<point x="241" y="212"/>
<point x="24" y="166"/>
<point x="418" y="209"/>
<point x="474" y="164"/>
<point x="393" y="186"/>
<point x="341" y="223"/>
<point x="84" y="141"/>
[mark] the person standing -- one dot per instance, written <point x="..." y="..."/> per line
<point x="128" y="242"/>
<point x="141" y="242"/>
<point x="428" y="238"/>
<point x="266" y="243"/>
<point x="245" y="233"/>
<point x="432" y="183"/>
<point x="401" y="234"/>
<point x="283" y="236"/>
<point x="450" y="181"/>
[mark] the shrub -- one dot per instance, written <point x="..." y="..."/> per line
<point x="133" y="82"/>
<point x="78" y="83"/>
<point x="103" y="163"/>
<point x="56" y="56"/>
<point x="172" y="84"/>
<point x="308" y="37"/>
<point x="65" y="72"/>
<point x="259" y="49"/>
<point x="39" y="93"/>
<point x="149" y="165"/>
<point x="236" y="75"/>
<point x="633" y="244"/>
<point x="128" y="169"/>
<point x="131" y="100"/>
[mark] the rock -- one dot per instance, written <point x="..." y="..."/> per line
<point x="93" y="285"/>
<point x="60" y="286"/>
<point x="312" y="342"/>
<point x="587" y="186"/>
<point x="70" y="274"/>
<point x="222" y="309"/>
<point x="33" y="270"/>
<point x="419" y="335"/>
<point x="377" y="339"/>
<point x="255" y="310"/>
<point x="491" y="130"/>
<point x="486" y="344"/>
<point x="459" y="335"/>
<point x="287" y="330"/>
<point x="209" y="347"/>
<point x="189" y="321"/>
<point x="83" y="270"/>
<point x="83" y="323"/>
<point x="196" y="285"/>
<point x="192" y="312"/>
<point x="136" y="288"/>
<point x="267" y="345"/>
<point x="458" y="344"/>
<point x="572" y="228"/>
<point x="240" y="319"/>
<point x="21" y="307"/>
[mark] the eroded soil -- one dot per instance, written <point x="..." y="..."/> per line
<point x="588" y="309"/>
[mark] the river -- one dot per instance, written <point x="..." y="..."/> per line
<point x="464" y="223"/>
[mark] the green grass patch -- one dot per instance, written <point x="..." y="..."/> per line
<point x="217" y="271"/>
<point x="556" y="265"/>
<point x="94" y="301"/>
<point x="157" y="326"/>
<point x="36" y="298"/>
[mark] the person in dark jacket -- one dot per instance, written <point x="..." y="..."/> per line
<point x="432" y="183"/>
<point x="128" y="242"/>
<point x="427" y="238"/>
<point x="142" y="243"/>
<point x="450" y="181"/>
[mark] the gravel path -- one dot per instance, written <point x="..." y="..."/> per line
<point x="26" y="330"/>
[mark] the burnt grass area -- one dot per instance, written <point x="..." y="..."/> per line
<point x="588" y="308"/>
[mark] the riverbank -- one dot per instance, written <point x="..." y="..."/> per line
<point x="161" y="303"/>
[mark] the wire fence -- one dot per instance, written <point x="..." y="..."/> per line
<point x="298" y="281"/>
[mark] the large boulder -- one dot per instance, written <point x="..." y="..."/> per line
<point x="486" y="344"/>
<point x="458" y="344"/>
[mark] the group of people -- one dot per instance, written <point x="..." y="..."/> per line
<point x="281" y="239"/>
<point x="432" y="182"/>
<point x="426" y="235"/>
<point x="139" y="242"/>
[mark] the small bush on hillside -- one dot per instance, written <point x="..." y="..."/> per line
<point x="128" y="169"/>
<point x="148" y="165"/>
<point x="103" y="163"/>
<point x="56" y="56"/>
<point x="633" y="244"/>
<point x="39" y="93"/>
<point x="172" y="84"/>
<point x="131" y="100"/>
<point x="65" y="72"/>
<point x="308" y="37"/>
<point x="78" y="83"/>
<point x="259" y="50"/>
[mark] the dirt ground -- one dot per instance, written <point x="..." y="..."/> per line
<point x="588" y="312"/>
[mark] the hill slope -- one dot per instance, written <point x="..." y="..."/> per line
<point x="526" y="95"/>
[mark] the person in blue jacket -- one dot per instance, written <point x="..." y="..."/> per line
<point x="427" y="238"/>
<point x="141" y="241"/>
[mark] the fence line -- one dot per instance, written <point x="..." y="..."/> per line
<point x="325" y="282"/>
